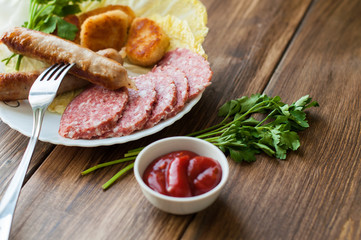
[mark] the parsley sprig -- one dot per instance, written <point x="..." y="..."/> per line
<point x="241" y="134"/>
<point x="47" y="16"/>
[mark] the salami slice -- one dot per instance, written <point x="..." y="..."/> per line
<point x="181" y="83"/>
<point x="166" y="97"/>
<point x="195" y="67"/>
<point x="93" y="112"/>
<point x="138" y="109"/>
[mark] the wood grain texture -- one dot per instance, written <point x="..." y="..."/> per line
<point x="333" y="74"/>
<point x="13" y="146"/>
<point x="257" y="34"/>
<point x="58" y="203"/>
<point x="316" y="194"/>
<point x="285" y="48"/>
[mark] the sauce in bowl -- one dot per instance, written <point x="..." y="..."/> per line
<point x="182" y="174"/>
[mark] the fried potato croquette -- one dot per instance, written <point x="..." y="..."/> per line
<point x="146" y="43"/>
<point x="105" y="30"/>
<point x="79" y="20"/>
<point x="127" y="10"/>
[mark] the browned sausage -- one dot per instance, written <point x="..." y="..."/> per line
<point x="16" y="85"/>
<point x="52" y="49"/>
<point x="112" y="54"/>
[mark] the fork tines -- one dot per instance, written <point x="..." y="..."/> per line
<point x="54" y="71"/>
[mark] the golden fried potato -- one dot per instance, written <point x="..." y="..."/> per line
<point x="79" y="20"/>
<point x="146" y="43"/>
<point x="127" y="10"/>
<point x="105" y="30"/>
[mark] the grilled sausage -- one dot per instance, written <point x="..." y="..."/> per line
<point x="52" y="49"/>
<point x="16" y="85"/>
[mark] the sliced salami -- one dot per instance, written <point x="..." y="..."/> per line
<point x="181" y="83"/>
<point x="166" y="97"/>
<point x="138" y="109"/>
<point x="93" y="112"/>
<point x="195" y="67"/>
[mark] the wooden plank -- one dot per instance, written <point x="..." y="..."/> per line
<point x="13" y="146"/>
<point x="248" y="40"/>
<point x="316" y="194"/>
<point x="58" y="203"/>
<point x="245" y="42"/>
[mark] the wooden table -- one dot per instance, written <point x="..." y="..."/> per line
<point x="286" y="48"/>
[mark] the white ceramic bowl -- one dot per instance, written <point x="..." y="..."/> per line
<point x="180" y="205"/>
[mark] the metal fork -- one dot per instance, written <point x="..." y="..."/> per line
<point x="41" y="94"/>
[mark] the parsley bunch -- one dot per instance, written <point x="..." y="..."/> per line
<point x="241" y="134"/>
<point x="47" y="16"/>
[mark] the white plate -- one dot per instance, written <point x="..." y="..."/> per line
<point x="18" y="115"/>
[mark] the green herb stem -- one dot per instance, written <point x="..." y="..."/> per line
<point x="211" y="140"/>
<point x="37" y="15"/>
<point x="266" y="118"/>
<point x="133" y="153"/>
<point x="102" y="165"/>
<point x="223" y="124"/>
<point x="212" y="133"/>
<point x="118" y="175"/>
<point x="136" y="150"/>
<point x="204" y="130"/>
<point x="17" y="67"/>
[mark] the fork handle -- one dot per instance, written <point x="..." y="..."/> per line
<point x="10" y="198"/>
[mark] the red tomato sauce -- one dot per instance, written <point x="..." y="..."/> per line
<point x="182" y="174"/>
